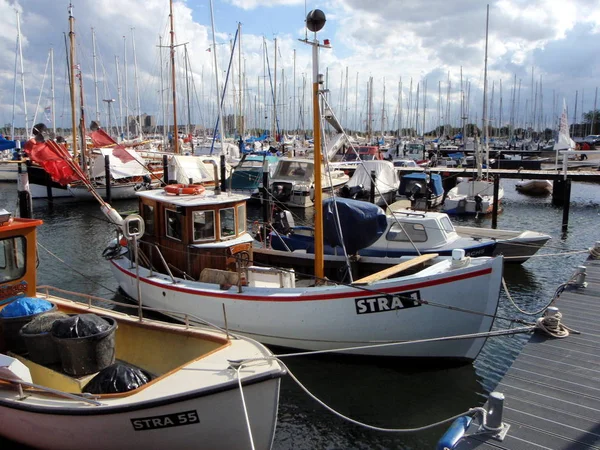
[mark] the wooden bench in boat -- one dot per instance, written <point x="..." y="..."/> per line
<point x="385" y="273"/>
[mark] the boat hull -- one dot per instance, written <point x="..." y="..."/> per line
<point x="534" y="187"/>
<point x="177" y="424"/>
<point x="340" y="317"/>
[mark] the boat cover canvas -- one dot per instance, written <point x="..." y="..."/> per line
<point x="361" y="223"/>
<point x="185" y="168"/>
<point x="386" y="177"/>
<point x="435" y="182"/>
<point x="136" y="167"/>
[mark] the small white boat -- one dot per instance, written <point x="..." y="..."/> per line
<point x="534" y="187"/>
<point x="193" y="397"/>
<point x="360" y="184"/>
<point x="515" y="246"/>
<point x="471" y="197"/>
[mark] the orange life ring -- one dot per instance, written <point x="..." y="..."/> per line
<point x="184" y="189"/>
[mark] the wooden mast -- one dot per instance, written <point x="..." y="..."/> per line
<point x="175" y="134"/>
<point x="72" y="84"/>
<point x="315" y="20"/>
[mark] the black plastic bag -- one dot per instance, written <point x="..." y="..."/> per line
<point x="43" y="323"/>
<point x="117" y="378"/>
<point x="81" y="325"/>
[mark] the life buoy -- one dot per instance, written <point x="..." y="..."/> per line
<point x="184" y="189"/>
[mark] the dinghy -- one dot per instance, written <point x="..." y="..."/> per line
<point x="534" y="187"/>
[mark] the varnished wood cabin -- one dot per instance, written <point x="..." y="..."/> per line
<point x="194" y="232"/>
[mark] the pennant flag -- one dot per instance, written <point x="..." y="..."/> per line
<point x="101" y="139"/>
<point x="53" y="158"/>
<point x="208" y="49"/>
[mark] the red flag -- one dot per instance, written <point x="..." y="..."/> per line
<point x="101" y="139"/>
<point x="53" y="159"/>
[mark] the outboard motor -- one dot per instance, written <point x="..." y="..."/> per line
<point x="283" y="221"/>
<point x="282" y="191"/>
<point x="478" y="203"/>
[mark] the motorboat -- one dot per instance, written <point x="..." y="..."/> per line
<point x="421" y="187"/>
<point x="247" y="176"/>
<point x="200" y="384"/>
<point x="293" y="182"/>
<point x="375" y="178"/>
<point x="516" y="246"/>
<point x="471" y="197"/>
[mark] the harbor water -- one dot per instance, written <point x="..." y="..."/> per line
<point x="384" y="393"/>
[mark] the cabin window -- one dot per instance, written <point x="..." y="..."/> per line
<point x="447" y="225"/>
<point x="227" y="219"/>
<point x="204" y="225"/>
<point x="173" y="224"/>
<point x="241" y="218"/>
<point x="12" y="258"/>
<point x="148" y="215"/>
<point x="402" y="232"/>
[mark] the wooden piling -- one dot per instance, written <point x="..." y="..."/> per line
<point x="107" y="178"/>
<point x="165" y="170"/>
<point x="495" y="204"/>
<point x="372" y="192"/>
<point x="566" y="204"/>
<point x="23" y="194"/>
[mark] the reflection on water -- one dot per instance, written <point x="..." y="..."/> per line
<point x="383" y="393"/>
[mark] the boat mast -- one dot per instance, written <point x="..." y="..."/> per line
<point x="52" y="97"/>
<point x="72" y="78"/>
<point x="315" y="20"/>
<point x="162" y="94"/>
<point x="119" y="89"/>
<point x="219" y="105"/>
<point x="126" y="86"/>
<point x="27" y="130"/>
<point x="95" y="76"/>
<point x="485" y="131"/>
<point x="137" y="87"/>
<point x="172" y="48"/>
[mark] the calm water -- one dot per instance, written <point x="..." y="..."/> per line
<point x="382" y="393"/>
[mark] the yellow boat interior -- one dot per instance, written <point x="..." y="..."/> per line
<point x="172" y="346"/>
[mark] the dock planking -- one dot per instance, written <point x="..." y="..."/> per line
<point x="574" y="175"/>
<point x="552" y="389"/>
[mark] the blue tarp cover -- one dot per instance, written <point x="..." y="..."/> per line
<point x="435" y="182"/>
<point x="25" y="306"/>
<point x="362" y="223"/>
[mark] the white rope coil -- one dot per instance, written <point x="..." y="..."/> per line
<point x="552" y="326"/>
<point x="595" y="252"/>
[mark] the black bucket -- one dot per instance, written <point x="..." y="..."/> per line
<point x="41" y="348"/>
<point x="86" y="355"/>
<point x="11" y="327"/>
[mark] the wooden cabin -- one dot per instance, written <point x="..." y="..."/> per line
<point x="195" y="232"/>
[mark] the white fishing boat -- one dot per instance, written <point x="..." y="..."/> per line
<point x="516" y="246"/>
<point x="192" y="393"/>
<point x="204" y="236"/>
<point x="534" y="187"/>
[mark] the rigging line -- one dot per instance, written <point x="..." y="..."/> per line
<point x="356" y="153"/>
<point x="471" y="411"/>
<point x="74" y="269"/>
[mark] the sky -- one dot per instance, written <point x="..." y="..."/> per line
<point x="426" y="43"/>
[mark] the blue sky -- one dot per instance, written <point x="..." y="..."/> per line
<point x="428" y="41"/>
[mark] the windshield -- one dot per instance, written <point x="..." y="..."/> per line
<point x="294" y="170"/>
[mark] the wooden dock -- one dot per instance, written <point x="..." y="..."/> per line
<point x="552" y="390"/>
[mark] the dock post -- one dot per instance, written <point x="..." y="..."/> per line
<point x="372" y="192"/>
<point x="165" y="170"/>
<point x="495" y="204"/>
<point x="25" y="204"/>
<point x="566" y="204"/>
<point x="107" y="178"/>
<point x="265" y="204"/>
<point x="223" y="180"/>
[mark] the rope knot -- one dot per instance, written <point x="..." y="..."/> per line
<point x="551" y="325"/>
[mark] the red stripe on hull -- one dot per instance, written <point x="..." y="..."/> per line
<point x="312" y="297"/>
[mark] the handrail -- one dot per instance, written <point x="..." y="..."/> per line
<point x="52" y="391"/>
<point x="162" y="259"/>
<point x="185" y="317"/>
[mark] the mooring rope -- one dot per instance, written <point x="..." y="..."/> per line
<point x="551" y="325"/>
<point x="237" y="369"/>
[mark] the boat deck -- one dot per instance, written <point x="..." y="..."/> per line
<point x="552" y="390"/>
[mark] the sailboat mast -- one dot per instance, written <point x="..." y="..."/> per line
<point x="52" y="100"/>
<point x="162" y="93"/>
<point x="72" y="84"/>
<point x="137" y="87"/>
<point x="319" y="259"/>
<point x="27" y="130"/>
<point x="219" y="106"/>
<point x="95" y="75"/>
<point x="485" y="131"/>
<point x="120" y="120"/>
<point x="172" y="48"/>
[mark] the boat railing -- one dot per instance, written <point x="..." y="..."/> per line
<point x="162" y="259"/>
<point x="86" y="398"/>
<point x="189" y="320"/>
